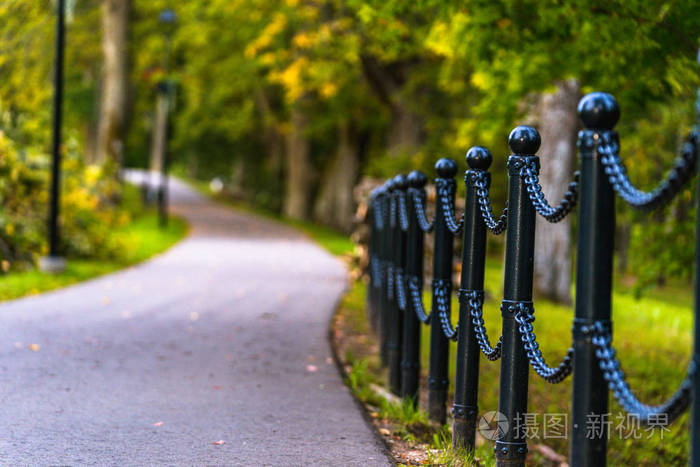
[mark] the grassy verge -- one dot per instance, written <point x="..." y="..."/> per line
<point x="653" y="338"/>
<point x="412" y="439"/>
<point x="142" y="238"/>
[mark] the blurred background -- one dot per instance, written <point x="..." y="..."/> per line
<point x="290" y="105"/>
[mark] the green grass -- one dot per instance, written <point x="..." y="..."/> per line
<point x="653" y="337"/>
<point x="142" y="239"/>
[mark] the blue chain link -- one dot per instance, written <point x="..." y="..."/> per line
<point x="525" y="316"/>
<point x="682" y="170"/>
<point x="475" y="300"/>
<point x="442" y="291"/>
<point x="482" y="194"/>
<point x="423" y="223"/>
<point x="445" y="194"/>
<point x="400" y="288"/>
<point x="378" y="214"/>
<point x="415" y="290"/>
<point x="403" y="211"/>
<point x="609" y="364"/>
<point x="553" y="214"/>
<point x="392" y="211"/>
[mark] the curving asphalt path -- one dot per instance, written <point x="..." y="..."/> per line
<point x="224" y="337"/>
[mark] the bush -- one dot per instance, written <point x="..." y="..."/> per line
<point x="89" y="206"/>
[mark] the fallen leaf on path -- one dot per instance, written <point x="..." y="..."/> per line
<point x="34" y="347"/>
<point x="311" y="368"/>
<point x="384" y="431"/>
<point x="158" y="424"/>
<point x="219" y="443"/>
<point x="194" y="316"/>
<point x="217" y="388"/>
<point x="329" y="361"/>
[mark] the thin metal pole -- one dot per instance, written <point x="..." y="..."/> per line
<point x="167" y="90"/>
<point x="511" y="446"/>
<point x="695" y="407"/>
<point x="395" y="314"/>
<point x="387" y="235"/>
<point x="442" y="271"/>
<point x="372" y="255"/>
<point x="410" y="363"/>
<point x="596" y="233"/>
<point x="381" y="259"/>
<point x="54" y="238"/>
<point x="465" y="407"/>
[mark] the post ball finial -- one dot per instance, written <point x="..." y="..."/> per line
<point x="417" y="179"/>
<point x="389" y="184"/>
<point x="524" y="140"/>
<point x="446" y="168"/>
<point x="400" y="182"/>
<point x="478" y="157"/>
<point x="599" y="111"/>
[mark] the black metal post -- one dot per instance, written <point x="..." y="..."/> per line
<point x="596" y="233"/>
<point x="167" y="88"/>
<point x="167" y="18"/>
<point x="395" y="314"/>
<point x="410" y="363"/>
<point x="442" y="271"/>
<point x="381" y="259"/>
<point x="388" y="272"/>
<point x="54" y="236"/>
<point x="465" y="407"/>
<point x="511" y="446"/>
<point x="695" y="407"/>
<point x="372" y="255"/>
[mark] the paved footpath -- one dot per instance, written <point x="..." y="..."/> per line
<point x="210" y="341"/>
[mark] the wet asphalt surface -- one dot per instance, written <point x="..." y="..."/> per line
<point x="222" y="338"/>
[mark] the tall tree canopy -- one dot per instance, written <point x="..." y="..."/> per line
<point x="289" y="102"/>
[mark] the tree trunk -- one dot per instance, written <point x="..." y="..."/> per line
<point x="237" y="177"/>
<point x="335" y="206"/>
<point x="298" y="168"/>
<point x="159" y="135"/>
<point x="558" y="124"/>
<point x="272" y="138"/>
<point x="405" y="133"/>
<point x="386" y="80"/>
<point x="115" y="17"/>
<point x="90" y="129"/>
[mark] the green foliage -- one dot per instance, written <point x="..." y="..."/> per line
<point x="88" y="202"/>
<point x="27" y="31"/>
<point x="467" y="71"/>
<point x="139" y="240"/>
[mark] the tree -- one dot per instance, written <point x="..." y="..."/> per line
<point x="558" y="123"/>
<point x="643" y="52"/>
<point x="112" y="121"/>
